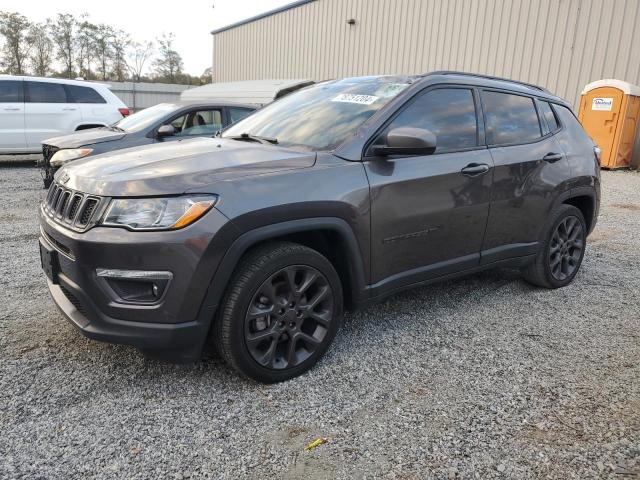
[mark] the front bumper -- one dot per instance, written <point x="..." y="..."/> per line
<point x="174" y="328"/>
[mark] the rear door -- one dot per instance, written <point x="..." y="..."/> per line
<point x="48" y="112"/>
<point x="429" y="213"/>
<point x="12" y="136"/>
<point x="93" y="108"/>
<point x="530" y="171"/>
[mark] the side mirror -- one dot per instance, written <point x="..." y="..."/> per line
<point x="166" y="131"/>
<point x="407" y="141"/>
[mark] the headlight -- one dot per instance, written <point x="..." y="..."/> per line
<point x="63" y="156"/>
<point x="167" y="213"/>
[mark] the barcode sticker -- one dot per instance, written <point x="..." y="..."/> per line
<point x="354" y="98"/>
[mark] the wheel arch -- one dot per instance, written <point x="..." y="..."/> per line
<point x="331" y="236"/>
<point x="584" y="199"/>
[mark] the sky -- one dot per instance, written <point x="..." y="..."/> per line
<point x="190" y="20"/>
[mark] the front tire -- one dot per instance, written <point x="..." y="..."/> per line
<point x="559" y="260"/>
<point x="282" y="309"/>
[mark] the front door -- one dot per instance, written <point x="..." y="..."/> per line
<point x="195" y="123"/>
<point x="12" y="137"/>
<point x="429" y="213"/>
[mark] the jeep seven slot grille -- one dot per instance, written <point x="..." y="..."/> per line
<point x="73" y="209"/>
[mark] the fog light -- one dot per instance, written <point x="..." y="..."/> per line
<point x="135" y="286"/>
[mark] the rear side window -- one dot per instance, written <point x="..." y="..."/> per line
<point x="80" y="94"/>
<point x="11" y="91"/>
<point x="547" y="112"/>
<point x="44" y="92"/>
<point x="510" y="118"/>
<point x="237" y="113"/>
<point x="449" y="113"/>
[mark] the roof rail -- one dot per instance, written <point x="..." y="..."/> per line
<point x="488" y="77"/>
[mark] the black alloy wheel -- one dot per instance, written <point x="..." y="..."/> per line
<point x="288" y="317"/>
<point x="565" y="249"/>
<point x="561" y="251"/>
<point x="280" y="313"/>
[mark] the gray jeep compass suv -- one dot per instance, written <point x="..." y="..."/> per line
<point x="328" y="199"/>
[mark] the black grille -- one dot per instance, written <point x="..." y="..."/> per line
<point x="87" y="212"/>
<point x="71" y="208"/>
<point x="48" y="151"/>
<point x="74" y="300"/>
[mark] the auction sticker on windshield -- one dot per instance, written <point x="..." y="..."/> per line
<point x="354" y="98"/>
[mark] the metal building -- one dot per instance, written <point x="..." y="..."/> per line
<point x="559" y="44"/>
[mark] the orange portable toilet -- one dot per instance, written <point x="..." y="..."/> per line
<point x="609" y="112"/>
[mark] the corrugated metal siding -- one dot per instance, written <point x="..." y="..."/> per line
<point x="138" y="96"/>
<point x="559" y="44"/>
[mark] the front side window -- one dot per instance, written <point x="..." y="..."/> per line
<point x="45" y="92"/>
<point x="201" y="122"/>
<point x="449" y="113"/>
<point x="322" y="116"/>
<point x="85" y="94"/>
<point x="11" y="91"/>
<point x="510" y="118"/>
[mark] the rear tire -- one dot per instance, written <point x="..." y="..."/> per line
<point x="560" y="257"/>
<point x="282" y="309"/>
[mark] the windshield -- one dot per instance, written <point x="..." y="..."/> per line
<point x="322" y="116"/>
<point x="145" y="118"/>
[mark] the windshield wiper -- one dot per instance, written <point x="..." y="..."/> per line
<point x="118" y="129"/>
<point x="254" y="138"/>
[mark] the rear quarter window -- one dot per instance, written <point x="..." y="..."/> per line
<point x="510" y="118"/>
<point x="80" y="94"/>
<point x="550" y="117"/>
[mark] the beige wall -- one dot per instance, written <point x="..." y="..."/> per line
<point x="559" y="44"/>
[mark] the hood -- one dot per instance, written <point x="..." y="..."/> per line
<point x="177" y="167"/>
<point x="85" y="137"/>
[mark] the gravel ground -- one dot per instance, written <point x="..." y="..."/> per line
<point x="477" y="378"/>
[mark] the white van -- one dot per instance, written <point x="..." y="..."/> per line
<point x="35" y="108"/>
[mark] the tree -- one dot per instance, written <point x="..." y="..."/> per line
<point x="169" y="64"/>
<point x="15" y="29"/>
<point x="41" y="47"/>
<point x="85" y="46"/>
<point x="207" y="76"/>
<point x="139" y="56"/>
<point x="104" y="51"/>
<point x="120" y="42"/>
<point x="63" y="34"/>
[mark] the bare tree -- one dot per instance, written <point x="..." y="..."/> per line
<point x="103" y="42"/>
<point x="120" y="42"/>
<point x="15" y="29"/>
<point x="85" y="46"/>
<point x="63" y="30"/>
<point x="41" y="48"/>
<point x="169" y="64"/>
<point x="139" y="56"/>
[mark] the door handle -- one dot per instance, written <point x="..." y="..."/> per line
<point x="69" y="109"/>
<point x="12" y="109"/>
<point x="552" y="157"/>
<point x="474" y="169"/>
